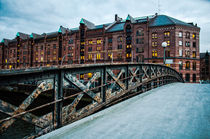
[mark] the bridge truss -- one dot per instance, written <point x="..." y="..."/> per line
<point x="100" y="85"/>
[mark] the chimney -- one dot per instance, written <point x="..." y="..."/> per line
<point x="116" y="17"/>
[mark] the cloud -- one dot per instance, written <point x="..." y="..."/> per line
<point x="47" y="15"/>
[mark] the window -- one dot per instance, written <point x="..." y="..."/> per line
<point x="98" y="56"/>
<point x="194" y="54"/>
<point x="154" y="44"/>
<point x="90" y="42"/>
<point x="187" y="44"/>
<point x="180" y="53"/>
<point x="81" y="76"/>
<point x="180" y="43"/>
<point x="82" y="57"/>
<point x="110" y="40"/>
<point x="98" y="41"/>
<point x="98" y="48"/>
<point x="90" y="75"/>
<point x="119" y="46"/>
<point x="194" y="65"/>
<point x="128" y="55"/>
<point x="89" y="49"/>
<point x="137" y="50"/>
<point x="180" y="65"/>
<point x="140" y="32"/>
<point x="69" y="48"/>
<point x="187" y="67"/>
<point x="110" y="55"/>
<point x="54" y="46"/>
<point x="180" y="34"/>
<point x="167" y="53"/>
<point x="188" y="35"/>
<point x="168" y="43"/>
<point x="187" y="78"/>
<point x="166" y="34"/>
<point x="90" y="56"/>
<point x="187" y="53"/>
<point x="194" y="78"/>
<point x="194" y="44"/>
<point x="128" y="29"/>
<point x="154" y="53"/>
<point x="119" y="39"/>
<point x="194" y="35"/>
<point x="128" y="46"/>
<point x="42" y="47"/>
<point x="71" y="41"/>
<point x="154" y="35"/>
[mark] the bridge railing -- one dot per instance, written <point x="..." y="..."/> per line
<point x="80" y="90"/>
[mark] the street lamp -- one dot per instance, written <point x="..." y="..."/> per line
<point x="164" y="45"/>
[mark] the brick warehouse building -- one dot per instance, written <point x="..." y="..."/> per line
<point x="130" y="40"/>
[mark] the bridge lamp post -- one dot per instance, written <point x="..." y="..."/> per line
<point x="164" y="45"/>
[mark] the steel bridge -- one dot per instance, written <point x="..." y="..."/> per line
<point x="100" y="85"/>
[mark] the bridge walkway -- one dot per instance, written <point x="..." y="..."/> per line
<point x="175" y="110"/>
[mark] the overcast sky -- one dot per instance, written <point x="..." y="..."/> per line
<point x="40" y="16"/>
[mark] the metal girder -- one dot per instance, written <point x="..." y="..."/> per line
<point x="44" y="86"/>
<point x="82" y="87"/>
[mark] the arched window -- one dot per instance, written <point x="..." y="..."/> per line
<point x="119" y="39"/>
<point x="187" y="67"/>
<point x="140" y="32"/>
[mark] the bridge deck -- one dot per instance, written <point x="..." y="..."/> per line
<point x="176" y="110"/>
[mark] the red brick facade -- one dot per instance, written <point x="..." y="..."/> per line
<point x="133" y="39"/>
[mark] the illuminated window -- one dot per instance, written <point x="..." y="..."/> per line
<point x="167" y="34"/>
<point x="168" y="43"/>
<point x="82" y="57"/>
<point x="128" y="46"/>
<point x="98" y="56"/>
<point x="54" y="58"/>
<point x="82" y="43"/>
<point x="154" y="53"/>
<point x="98" y="41"/>
<point x="168" y="65"/>
<point x="154" y="44"/>
<point x="90" y="75"/>
<point x="154" y="35"/>
<point x="180" y="52"/>
<point x="42" y="59"/>
<point x="54" y="52"/>
<point x="82" y="50"/>
<point x="180" y="43"/>
<point x="110" y="55"/>
<point x="90" y="42"/>
<point x="180" y="34"/>
<point x="90" y="56"/>
<point x="98" y="48"/>
<point x="194" y="54"/>
<point x="81" y="76"/>
<point x="194" y="35"/>
<point x="187" y="66"/>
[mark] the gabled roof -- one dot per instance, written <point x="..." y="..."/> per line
<point x="89" y="24"/>
<point x="131" y="19"/>
<point x="22" y="35"/>
<point x="117" y="27"/>
<point x="5" y="41"/>
<point x="34" y="35"/>
<point x="163" y="20"/>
